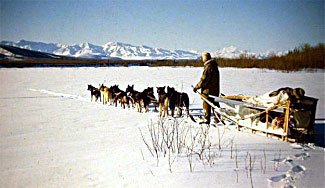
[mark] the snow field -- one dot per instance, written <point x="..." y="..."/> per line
<point x="51" y="135"/>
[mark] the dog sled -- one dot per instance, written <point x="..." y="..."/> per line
<point x="285" y="114"/>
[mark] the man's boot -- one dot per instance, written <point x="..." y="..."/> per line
<point x="207" y="113"/>
<point x="216" y="120"/>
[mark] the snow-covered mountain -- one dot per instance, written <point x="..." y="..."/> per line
<point x="232" y="52"/>
<point x="128" y="51"/>
<point x="108" y="50"/>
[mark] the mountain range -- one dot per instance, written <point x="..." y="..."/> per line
<point x="125" y="51"/>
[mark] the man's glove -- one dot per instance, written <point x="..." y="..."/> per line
<point x="195" y="89"/>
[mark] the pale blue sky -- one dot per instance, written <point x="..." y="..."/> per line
<point x="255" y="26"/>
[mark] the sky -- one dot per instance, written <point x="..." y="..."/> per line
<point x="255" y="26"/>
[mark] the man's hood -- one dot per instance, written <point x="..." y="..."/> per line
<point x="209" y="62"/>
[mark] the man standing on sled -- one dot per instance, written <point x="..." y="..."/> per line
<point x="209" y="84"/>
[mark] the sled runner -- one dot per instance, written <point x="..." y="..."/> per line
<point x="275" y="114"/>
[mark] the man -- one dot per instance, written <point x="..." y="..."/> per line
<point x="209" y="84"/>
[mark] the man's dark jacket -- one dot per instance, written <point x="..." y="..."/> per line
<point x="209" y="82"/>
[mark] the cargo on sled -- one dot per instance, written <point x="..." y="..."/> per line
<point x="286" y="113"/>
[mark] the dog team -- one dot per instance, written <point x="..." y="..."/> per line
<point x="172" y="98"/>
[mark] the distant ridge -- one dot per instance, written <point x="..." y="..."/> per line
<point x="128" y="51"/>
<point x="7" y="51"/>
<point x="108" y="50"/>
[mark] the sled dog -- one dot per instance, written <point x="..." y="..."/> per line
<point x="162" y="101"/>
<point x="105" y="94"/>
<point x="177" y="99"/>
<point x="131" y="93"/>
<point x="120" y="95"/>
<point x="94" y="92"/>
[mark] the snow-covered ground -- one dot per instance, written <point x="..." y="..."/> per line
<point x="51" y="135"/>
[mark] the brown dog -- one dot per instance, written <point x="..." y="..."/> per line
<point x="162" y="101"/>
<point x="120" y="95"/>
<point x="143" y="98"/>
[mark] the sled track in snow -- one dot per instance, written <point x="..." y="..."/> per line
<point x="32" y="97"/>
<point x="56" y="94"/>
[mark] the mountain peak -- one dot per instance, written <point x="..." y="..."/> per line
<point x="85" y="45"/>
<point x="22" y="41"/>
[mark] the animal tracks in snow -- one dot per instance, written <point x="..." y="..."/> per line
<point x="302" y="156"/>
<point x="278" y="178"/>
<point x="94" y="180"/>
<point x="304" y="147"/>
<point x="298" y="169"/>
<point x="287" y="180"/>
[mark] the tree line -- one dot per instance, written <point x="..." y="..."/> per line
<point x="303" y="57"/>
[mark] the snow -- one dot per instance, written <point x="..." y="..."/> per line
<point x="51" y="135"/>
